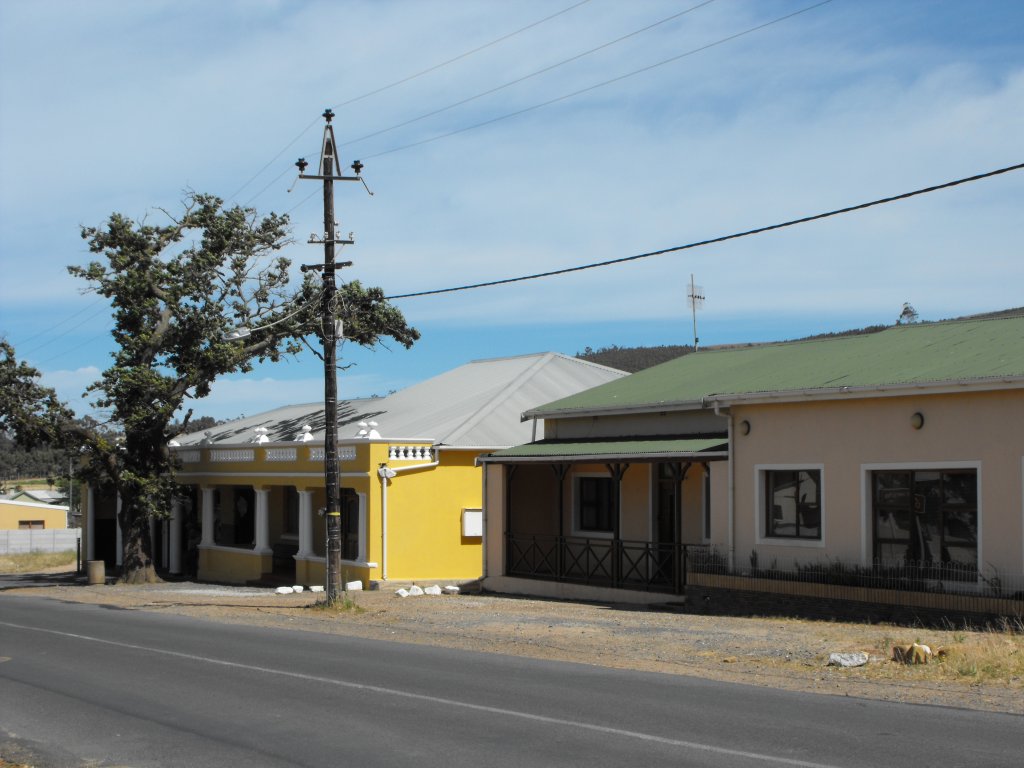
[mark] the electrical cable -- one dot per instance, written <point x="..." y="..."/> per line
<point x="594" y="87"/>
<point x="536" y="73"/>
<point x="58" y="324"/>
<point x="394" y="84"/>
<point x="457" y="58"/>
<point x="713" y="240"/>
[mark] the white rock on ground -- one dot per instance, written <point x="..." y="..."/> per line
<point x="414" y="591"/>
<point x="402" y="592"/>
<point x="285" y="590"/>
<point x="317" y="588"/>
<point x="451" y="589"/>
<point x="298" y="588"/>
<point x="434" y="590"/>
<point x="847" y="659"/>
<point x="353" y="586"/>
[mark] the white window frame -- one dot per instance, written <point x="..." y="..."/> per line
<point x="896" y="466"/>
<point x="760" y="524"/>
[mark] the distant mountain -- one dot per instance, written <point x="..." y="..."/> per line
<point x="633" y="359"/>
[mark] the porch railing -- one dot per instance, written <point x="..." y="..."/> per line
<point x="642" y="565"/>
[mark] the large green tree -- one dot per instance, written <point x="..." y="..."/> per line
<point x="178" y="288"/>
<point x="30" y="414"/>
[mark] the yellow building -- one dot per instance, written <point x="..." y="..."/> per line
<point x="16" y="514"/>
<point x="411" y="489"/>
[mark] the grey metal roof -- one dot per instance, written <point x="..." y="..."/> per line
<point x="477" y="405"/>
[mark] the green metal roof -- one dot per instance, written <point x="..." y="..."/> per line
<point x="927" y="353"/>
<point x="622" y="447"/>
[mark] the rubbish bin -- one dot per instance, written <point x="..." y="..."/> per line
<point x="97" y="570"/>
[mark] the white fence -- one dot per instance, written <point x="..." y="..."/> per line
<point x="56" y="540"/>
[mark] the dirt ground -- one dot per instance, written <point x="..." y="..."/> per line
<point x="780" y="653"/>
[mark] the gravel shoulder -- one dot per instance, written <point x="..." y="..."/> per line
<point x="780" y="653"/>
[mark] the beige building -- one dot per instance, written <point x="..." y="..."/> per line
<point x="891" y="453"/>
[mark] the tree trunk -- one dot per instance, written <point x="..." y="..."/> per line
<point x="138" y="565"/>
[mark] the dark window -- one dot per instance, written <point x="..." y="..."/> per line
<point x="349" y="524"/>
<point x="926" y="517"/>
<point x="30" y="525"/>
<point x="594" y="504"/>
<point x="291" y="511"/>
<point x="793" y="503"/>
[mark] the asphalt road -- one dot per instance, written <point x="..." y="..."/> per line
<point x="81" y="683"/>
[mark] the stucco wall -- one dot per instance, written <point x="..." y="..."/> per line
<point x="848" y="439"/>
<point x="14" y="512"/>
<point x="425" y="508"/>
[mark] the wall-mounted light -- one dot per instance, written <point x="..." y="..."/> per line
<point x="744" y="427"/>
<point x="917" y="420"/>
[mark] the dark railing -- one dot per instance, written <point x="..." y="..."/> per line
<point x="669" y="568"/>
<point x="642" y="565"/>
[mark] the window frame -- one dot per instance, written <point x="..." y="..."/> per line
<point x="761" y="512"/>
<point x="577" y="494"/>
<point x="943" y="509"/>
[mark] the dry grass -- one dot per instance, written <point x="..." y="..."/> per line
<point x="344" y="604"/>
<point x="33" y="562"/>
<point x="993" y="656"/>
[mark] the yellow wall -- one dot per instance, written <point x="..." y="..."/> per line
<point x="425" y="506"/>
<point x="12" y="512"/>
<point x="235" y="566"/>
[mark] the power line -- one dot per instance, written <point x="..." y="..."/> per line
<point x="536" y="73"/>
<point x="56" y="325"/>
<point x="721" y="239"/>
<point x="428" y="70"/>
<point x="594" y="87"/>
<point x="389" y="86"/>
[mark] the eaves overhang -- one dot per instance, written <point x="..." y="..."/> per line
<point x="617" y="410"/>
<point x="871" y="391"/>
<point x="636" y="449"/>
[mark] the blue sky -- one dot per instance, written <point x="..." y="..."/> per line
<point x="116" y="105"/>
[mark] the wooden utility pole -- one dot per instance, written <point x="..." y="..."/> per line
<point x="330" y="171"/>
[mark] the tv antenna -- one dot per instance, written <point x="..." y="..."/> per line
<point x="696" y="301"/>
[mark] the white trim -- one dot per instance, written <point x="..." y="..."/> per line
<point x="759" y="522"/>
<point x="281" y="454"/>
<point x="865" y="495"/>
<point x="38" y="504"/>
<point x="183" y="476"/>
<point x="576" y="531"/>
<point x="231" y="455"/>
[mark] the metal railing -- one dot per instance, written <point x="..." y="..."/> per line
<point x="670" y="568"/>
<point x="642" y="565"/>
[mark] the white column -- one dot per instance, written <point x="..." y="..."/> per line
<point x="207" y="540"/>
<point x="174" y="537"/>
<point x="90" y="524"/>
<point x="120" y="537"/>
<point x="305" y="524"/>
<point x="262" y="521"/>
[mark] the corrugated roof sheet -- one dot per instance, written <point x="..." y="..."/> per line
<point x="478" y="404"/>
<point x="599" y="449"/>
<point x="928" y="353"/>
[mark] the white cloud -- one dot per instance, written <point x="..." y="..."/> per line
<point x="128" y="103"/>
